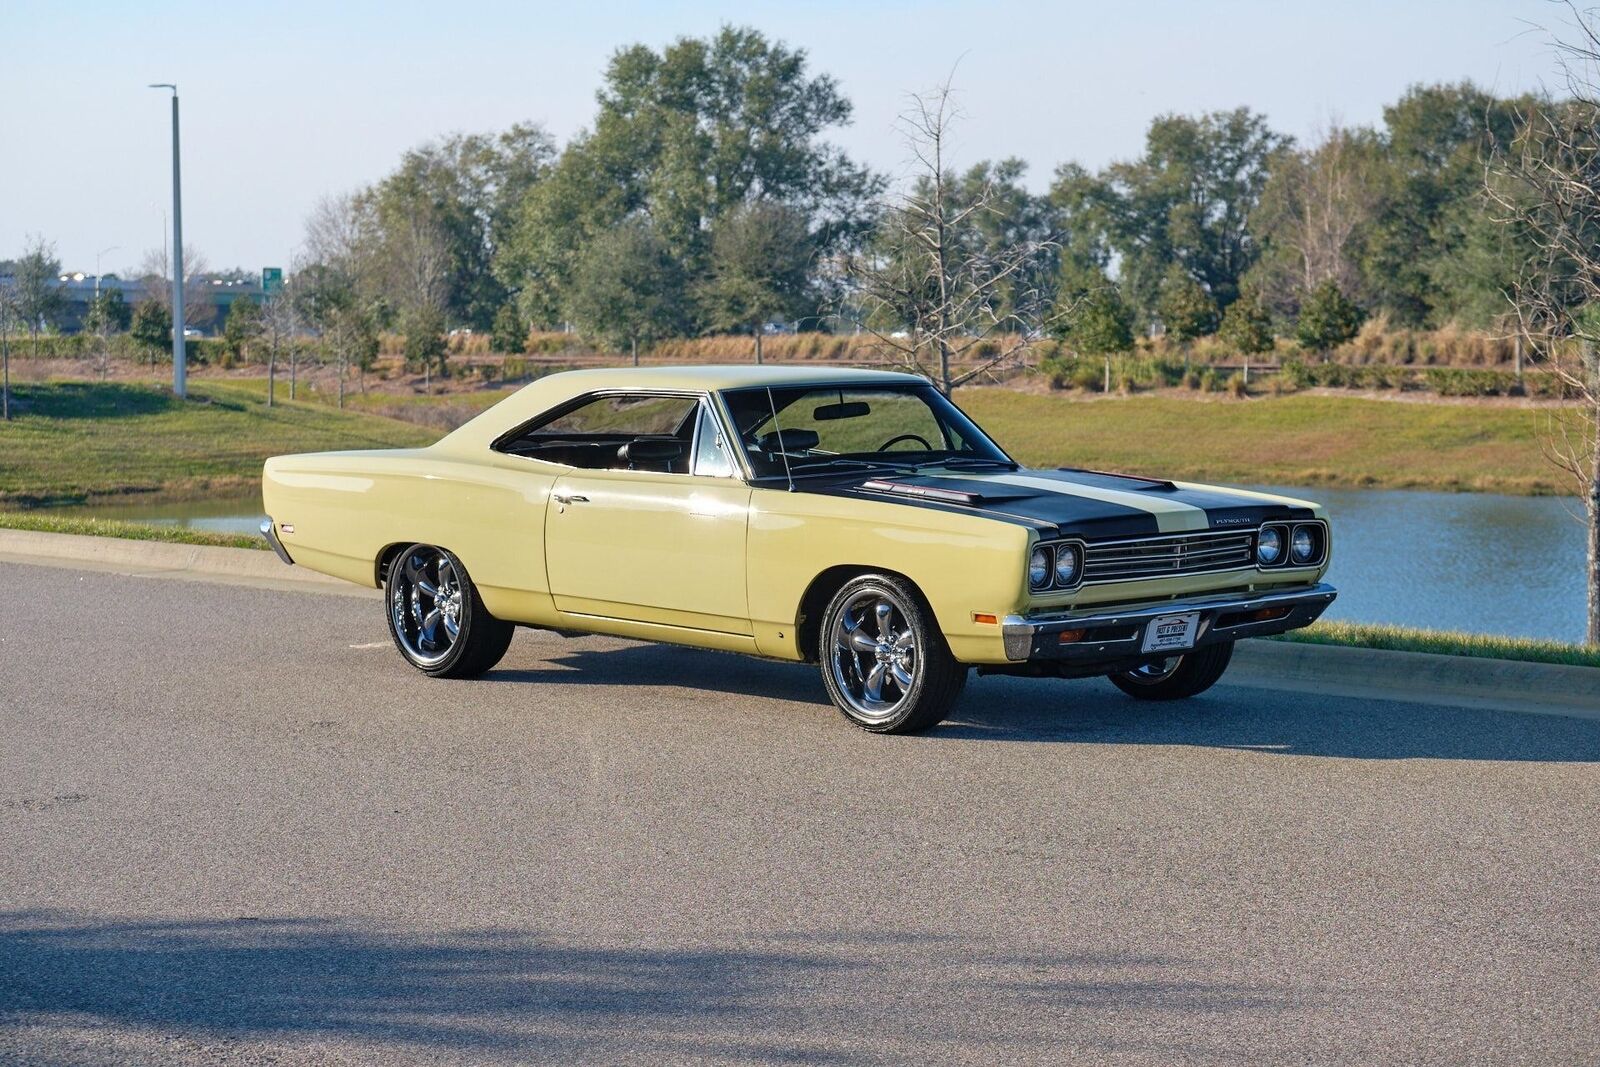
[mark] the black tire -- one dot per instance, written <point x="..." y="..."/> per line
<point x="1193" y="674"/>
<point x="936" y="679"/>
<point x="480" y="639"/>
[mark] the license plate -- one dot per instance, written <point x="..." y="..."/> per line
<point x="1171" y="633"/>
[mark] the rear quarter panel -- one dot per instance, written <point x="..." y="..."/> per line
<point x="347" y="508"/>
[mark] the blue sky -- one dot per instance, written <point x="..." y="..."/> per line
<point x="285" y="101"/>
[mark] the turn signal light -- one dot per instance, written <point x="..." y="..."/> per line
<point x="1069" y="636"/>
<point x="983" y="616"/>
<point x="1268" y="614"/>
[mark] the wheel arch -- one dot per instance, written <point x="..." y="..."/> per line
<point x="814" y="601"/>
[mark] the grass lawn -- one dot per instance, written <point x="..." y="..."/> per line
<point x="73" y="440"/>
<point x="1293" y="440"/>
<point x="131" y="531"/>
<point x="1441" y="642"/>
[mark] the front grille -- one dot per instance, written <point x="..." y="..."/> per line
<point x="1163" y="557"/>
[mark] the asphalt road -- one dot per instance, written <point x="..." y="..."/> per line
<point x="235" y="827"/>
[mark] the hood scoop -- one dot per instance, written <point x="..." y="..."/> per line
<point x="924" y="492"/>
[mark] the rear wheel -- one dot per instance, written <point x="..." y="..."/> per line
<point x="884" y="661"/>
<point x="1176" y="677"/>
<point x="436" y="617"/>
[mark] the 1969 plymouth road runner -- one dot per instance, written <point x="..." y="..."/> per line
<point x="854" y="519"/>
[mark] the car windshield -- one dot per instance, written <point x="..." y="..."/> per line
<point x="807" y="430"/>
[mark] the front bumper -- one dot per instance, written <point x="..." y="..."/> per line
<point x="1093" y="642"/>
<point x="269" y="530"/>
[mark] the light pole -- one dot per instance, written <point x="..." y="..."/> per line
<point x="180" y="387"/>
<point x="97" y="256"/>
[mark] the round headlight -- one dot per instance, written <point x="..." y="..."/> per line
<point x="1039" y="568"/>
<point x="1066" y="565"/>
<point x="1303" y="548"/>
<point x="1269" y="545"/>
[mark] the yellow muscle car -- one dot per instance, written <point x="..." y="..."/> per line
<point x="854" y="519"/>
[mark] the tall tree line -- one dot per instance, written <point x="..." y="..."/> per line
<point x="707" y="197"/>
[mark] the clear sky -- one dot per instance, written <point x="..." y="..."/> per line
<point x="286" y="100"/>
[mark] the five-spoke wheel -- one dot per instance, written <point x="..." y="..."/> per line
<point x="884" y="660"/>
<point x="436" y="618"/>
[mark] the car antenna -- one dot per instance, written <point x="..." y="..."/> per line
<point x="782" y="448"/>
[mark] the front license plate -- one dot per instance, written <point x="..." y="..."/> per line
<point x="1172" y="633"/>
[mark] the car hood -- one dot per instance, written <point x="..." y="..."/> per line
<point x="1093" y="504"/>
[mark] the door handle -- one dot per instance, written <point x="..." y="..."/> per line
<point x="562" y="498"/>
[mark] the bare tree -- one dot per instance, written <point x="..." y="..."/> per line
<point x="155" y="271"/>
<point x="1313" y="206"/>
<point x="937" y="292"/>
<point x="1546" y="189"/>
<point x="279" y="322"/>
<point x="8" y="320"/>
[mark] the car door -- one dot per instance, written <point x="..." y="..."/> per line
<point x="656" y="547"/>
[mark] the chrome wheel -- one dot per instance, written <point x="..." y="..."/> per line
<point x="874" y="659"/>
<point x="426" y="604"/>
<point x="1154" y="673"/>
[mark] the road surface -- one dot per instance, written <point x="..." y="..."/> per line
<point x="235" y="827"/>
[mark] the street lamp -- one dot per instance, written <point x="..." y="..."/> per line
<point x="179" y="368"/>
<point x="97" y="256"/>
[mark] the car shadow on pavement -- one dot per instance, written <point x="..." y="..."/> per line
<point x="513" y="994"/>
<point x="1277" y="722"/>
<point x="1091" y="711"/>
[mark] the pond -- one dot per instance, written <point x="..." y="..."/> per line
<point x="1453" y="561"/>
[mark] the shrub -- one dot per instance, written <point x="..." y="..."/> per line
<point x="1211" y="380"/>
<point x="1327" y="318"/>
<point x="1236" y="386"/>
<point x="1089" y="376"/>
<point x="1191" y="380"/>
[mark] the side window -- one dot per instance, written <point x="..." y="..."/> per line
<point x="629" y="431"/>
<point x="711" y="458"/>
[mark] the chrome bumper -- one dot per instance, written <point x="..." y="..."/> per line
<point x="1118" y="634"/>
<point x="269" y="530"/>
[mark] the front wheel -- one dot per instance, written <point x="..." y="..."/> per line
<point x="884" y="660"/>
<point x="437" y="619"/>
<point x="1176" y="677"/>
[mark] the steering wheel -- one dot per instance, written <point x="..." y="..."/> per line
<point x="891" y="442"/>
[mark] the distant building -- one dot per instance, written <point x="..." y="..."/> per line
<point x="78" y="292"/>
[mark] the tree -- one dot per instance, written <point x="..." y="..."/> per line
<point x="1328" y="318"/>
<point x="1246" y="326"/>
<point x="683" y="136"/>
<point x="155" y="270"/>
<point x="279" y="323"/>
<point x="628" y="288"/>
<point x="510" y="333"/>
<point x="151" y="329"/>
<point x="1187" y="200"/>
<point x="935" y="284"/>
<point x="8" y="320"/>
<point x="108" y="311"/>
<point x="1186" y="309"/>
<point x="1438" y="138"/>
<point x="241" y="328"/>
<point x="760" y="268"/>
<point x="426" y="349"/>
<point x="36" y="287"/>
<point x="335" y="287"/>
<point x="1545" y="187"/>
<point x="469" y="188"/>
<point x="1317" y="207"/>
<point x="1103" y="323"/>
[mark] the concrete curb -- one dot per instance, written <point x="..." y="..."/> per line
<point x="164" y="559"/>
<point x="1418" y="677"/>
<point x="1331" y="670"/>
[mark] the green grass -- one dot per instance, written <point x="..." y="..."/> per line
<point x="73" y="441"/>
<point x="1294" y="440"/>
<point x="1445" y="643"/>
<point x="131" y="531"/>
